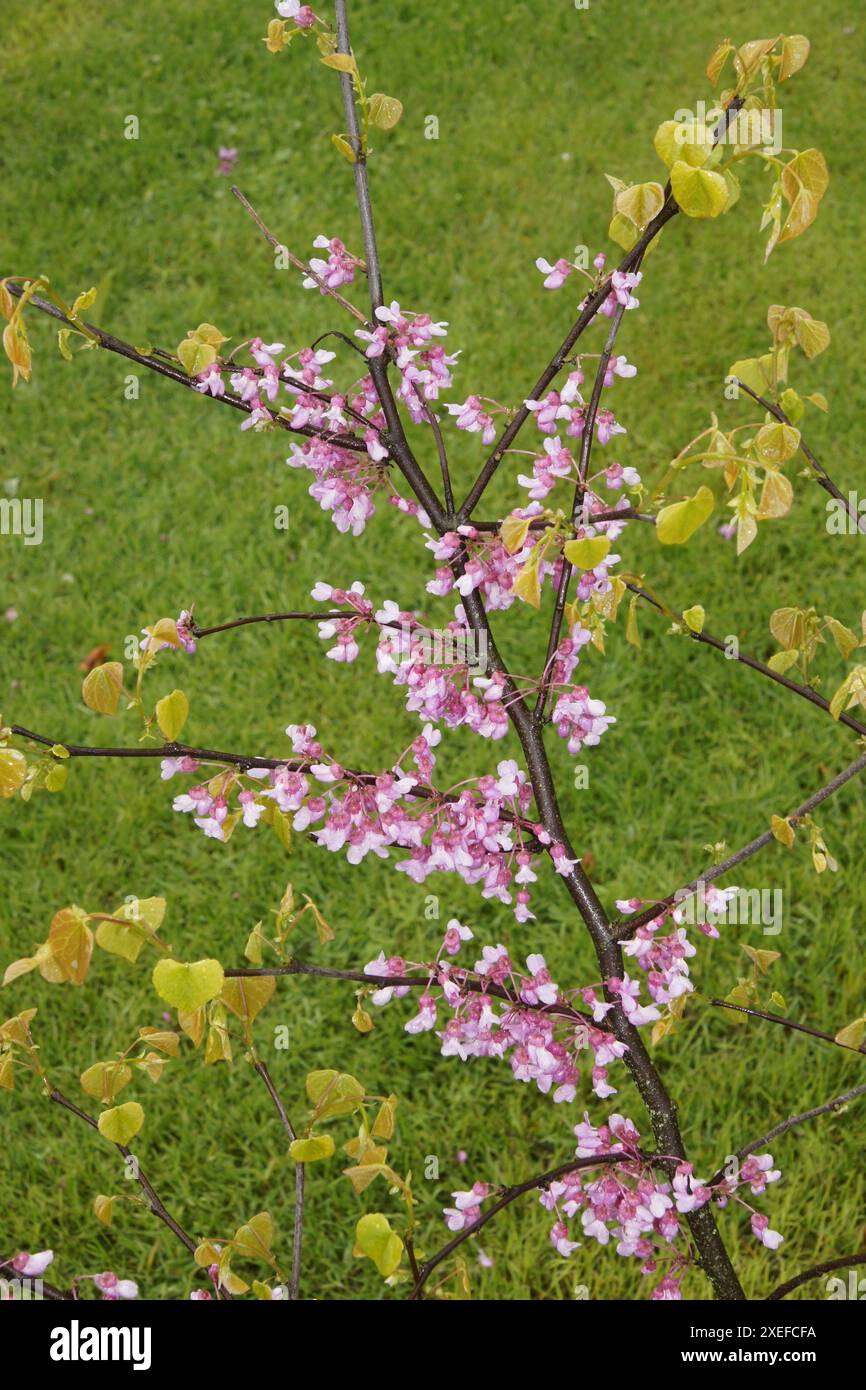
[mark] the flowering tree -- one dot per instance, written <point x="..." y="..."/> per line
<point x="364" y="413"/>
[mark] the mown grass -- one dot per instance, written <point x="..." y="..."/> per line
<point x="153" y="504"/>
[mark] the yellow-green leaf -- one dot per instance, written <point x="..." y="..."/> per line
<point x="776" y="443"/>
<point x="195" y="356"/>
<point x="375" y="1239"/>
<point x="105" y="1080"/>
<point x="102" y="687"/>
<point x="122" y="1123"/>
<point x="852" y="1034"/>
<point x="514" y="531"/>
<point x="171" y="714"/>
<point x="640" y="203"/>
<point x="334" y="1092"/>
<point x="310" y="1150"/>
<point x="247" y="995"/>
<point x="694" y="618"/>
<point x="678" y="521"/>
<point x="103" y="1209"/>
<point x="795" y="51"/>
<point x="187" y="987"/>
<point x="588" y="552"/>
<point x="385" y="111"/>
<point x="699" y="192"/>
<point x="13" y="771"/>
<point x="71" y="944"/>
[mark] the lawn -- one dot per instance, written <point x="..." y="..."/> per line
<point x="155" y="503"/>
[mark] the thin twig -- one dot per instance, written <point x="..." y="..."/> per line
<point x="790" y="1123"/>
<point x="707" y="639"/>
<point x="785" y="1023"/>
<point x="510" y="1195"/>
<point x="823" y="477"/>
<point x="629" y="926"/>
<point x="177" y="374"/>
<point x="843" y="1262"/>
<point x="294" y="260"/>
<point x="298" y="1233"/>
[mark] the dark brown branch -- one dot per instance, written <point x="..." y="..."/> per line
<point x="298" y="1233"/>
<point x="177" y="374"/>
<point x="785" y="1022"/>
<point x="590" y="308"/>
<point x="272" y="618"/>
<point x="510" y="1195"/>
<point x="843" y="1262"/>
<point x="473" y="986"/>
<point x="577" y="507"/>
<point x="306" y="269"/>
<point x="790" y="1123"/>
<point x="630" y="925"/>
<point x="822" y="476"/>
<point x="707" y="639"/>
<point x="156" y="1205"/>
<point x="49" y="1292"/>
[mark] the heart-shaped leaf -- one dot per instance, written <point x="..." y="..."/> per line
<point x="122" y="1123"/>
<point x="375" y="1239"/>
<point x="187" y="987"/>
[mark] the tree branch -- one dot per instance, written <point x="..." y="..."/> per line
<point x="177" y="374"/>
<point x="790" y="1123"/>
<point x="826" y="1268"/>
<point x="510" y="1195"/>
<point x="822" y="476"/>
<point x="298" y="1234"/>
<point x="707" y="639"/>
<point x="629" y="925"/>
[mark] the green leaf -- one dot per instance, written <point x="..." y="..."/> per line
<point x="852" y="1034"/>
<point x="13" y="771"/>
<point x="171" y="714"/>
<point x="776" y="443"/>
<point x="640" y="203"/>
<point x="375" y="1239"/>
<point x="187" y="987"/>
<point x="341" y="143"/>
<point x="334" y="1093"/>
<point x="102" y="687"/>
<point x="105" y="1080"/>
<point x="677" y="522"/>
<point x="310" y="1150"/>
<point x="699" y="192"/>
<point x="694" y="618"/>
<point x="588" y="552"/>
<point x="122" y="1123"/>
<point x="195" y="356"/>
<point x="385" y="112"/>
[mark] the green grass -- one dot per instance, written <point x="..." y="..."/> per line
<point x="153" y="504"/>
